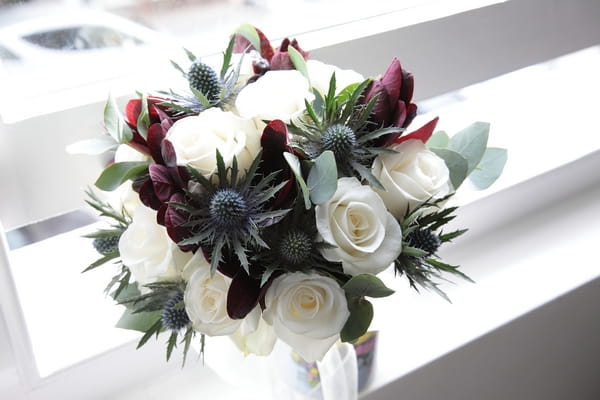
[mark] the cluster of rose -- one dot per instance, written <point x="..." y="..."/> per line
<point x="262" y="201"/>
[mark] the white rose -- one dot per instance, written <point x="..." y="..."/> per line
<point x="320" y="75"/>
<point x="410" y="176"/>
<point x="197" y="138"/>
<point x="307" y="312"/>
<point x="255" y="336"/>
<point x="205" y="301"/>
<point x="148" y="251"/>
<point x="276" y="95"/>
<point x="355" y="220"/>
<point x="125" y="152"/>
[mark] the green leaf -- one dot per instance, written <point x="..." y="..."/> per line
<point x="101" y="261"/>
<point x="200" y="97"/>
<point x="322" y="178"/>
<point x="114" y="124"/>
<point x="113" y="176"/>
<point x="227" y="57"/>
<point x="294" y="164"/>
<point x="249" y="32"/>
<point x="93" y="146"/>
<point x="171" y="344"/>
<point x="346" y="93"/>
<point x="366" y="285"/>
<point x="439" y="139"/>
<point x="154" y="329"/>
<point x="471" y="143"/>
<point x="139" y="321"/>
<point x="298" y="61"/>
<point x="456" y="163"/>
<point x="490" y="167"/>
<point x="143" y="122"/>
<point x="361" y="315"/>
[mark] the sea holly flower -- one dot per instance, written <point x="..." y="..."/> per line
<point x="228" y="210"/>
<point x="340" y="124"/>
<point x="393" y="92"/>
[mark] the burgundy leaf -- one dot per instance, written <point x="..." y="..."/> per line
<point x="155" y="138"/>
<point x="147" y="195"/>
<point x="174" y="221"/>
<point x="392" y="79"/>
<point x="423" y="133"/>
<point x="161" y="181"/>
<point x="167" y="152"/>
<point x="242" y="296"/>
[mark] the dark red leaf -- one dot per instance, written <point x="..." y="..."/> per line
<point x="242" y="296"/>
<point x="392" y="79"/>
<point x="423" y="133"/>
<point x="147" y="195"/>
<point x="155" y="138"/>
<point x="161" y="182"/>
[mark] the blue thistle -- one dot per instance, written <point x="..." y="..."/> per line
<point x="230" y="211"/>
<point x="425" y="240"/>
<point x="173" y="315"/>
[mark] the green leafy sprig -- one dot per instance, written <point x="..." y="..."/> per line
<point x="340" y="123"/>
<point x="420" y="267"/>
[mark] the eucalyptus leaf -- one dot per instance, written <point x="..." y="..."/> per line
<point x="490" y="167"/>
<point x="143" y="121"/>
<point x="93" y="146"/>
<point x="322" y="178"/>
<point x="139" y="321"/>
<point x="298" y="61"/>
<point x="294" y="164"/>
<point x="366" y="285"/>
<point x="456" y="163"/>
<point x="113" y="122"/>
<point x="471" y="143"/>
<point x="117" y="173"/>
<point x="249" y="32"/>
<point x="439" y="139"/>
<point x="361" y="315"/>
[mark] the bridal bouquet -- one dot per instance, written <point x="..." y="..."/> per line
<point x="262" y="201"/>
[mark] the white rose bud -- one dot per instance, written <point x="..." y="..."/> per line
<point x="307" y="311"/>
<point x="355" y="220"/>
<point x="197" y="138"/>
<point x="275" y="95"/>
<point x="148" y="251"/>
<point x="320" y="75"/>
<point x="411" y="176"/>
<point x="205" y="301"/>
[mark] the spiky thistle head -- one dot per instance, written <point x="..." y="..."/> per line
<point x="173" y="315"/>
<point x="208" y="88"/>
<point x="229" y="210"/>
<point x="204" y="79"/>
<point x="424" y="239"/>
<point x="341" y="124"/>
